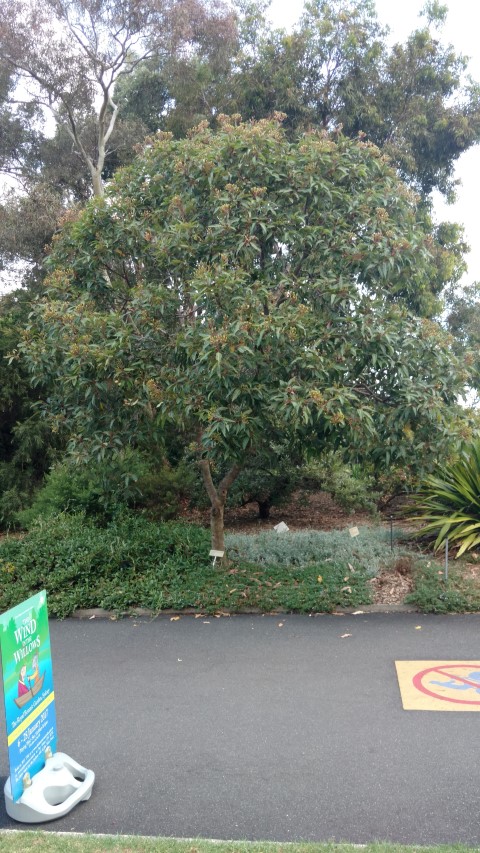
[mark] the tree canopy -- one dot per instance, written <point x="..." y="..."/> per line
<point x="250" y="291"/>
<point x="111" y="72"/>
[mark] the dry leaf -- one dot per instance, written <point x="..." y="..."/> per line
<point x="357" y="612"/>
<point x="320" y="579"/>
<point x="231" y="591"/>
<point x="199" y="615"/>
<point x="345" y="635"/>
<point x="418" y="628"/>
<point x="174" y="618"/>
<point x="280" y="625"/>
<point x="346" y="588"/>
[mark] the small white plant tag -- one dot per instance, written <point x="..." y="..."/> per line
<point x="281" y="527"/>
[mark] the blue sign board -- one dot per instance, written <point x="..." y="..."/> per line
<point x="28" y="688"/>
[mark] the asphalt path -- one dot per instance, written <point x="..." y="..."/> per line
<point x="264" y="727"/>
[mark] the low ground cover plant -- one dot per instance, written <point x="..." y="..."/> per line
<point x="368" y="551"/>
<point x="133" y="562"/>
<point x="433" y="594"/>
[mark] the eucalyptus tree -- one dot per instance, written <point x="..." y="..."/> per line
<point x="67" y="56"/>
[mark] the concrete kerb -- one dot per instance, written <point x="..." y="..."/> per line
<point x="137" y="612"/>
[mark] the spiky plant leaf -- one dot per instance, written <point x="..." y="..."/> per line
<point x="449" y="504"/>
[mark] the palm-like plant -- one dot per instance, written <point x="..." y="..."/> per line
<point x="450" y="504"/>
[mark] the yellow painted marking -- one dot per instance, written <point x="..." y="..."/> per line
<point x="30" y="719"/>
<point x="439" y="685"/>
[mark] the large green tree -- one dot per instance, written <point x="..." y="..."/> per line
<point x="254" y="297"/>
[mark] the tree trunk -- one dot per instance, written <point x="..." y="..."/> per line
<point x="218" y="498"/>
<point x="98" y="188"/>
<point x="216" y="526"/>
<point x="264" y="509"/>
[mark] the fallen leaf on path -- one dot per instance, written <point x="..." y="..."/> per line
<point x="357" y="612"/>
<point x="199" y="615"/>
<point x="174" y="618"/>
<point x="280" y="624"/>
<point x="418" y="628"/>
<point x="345" y="635"/>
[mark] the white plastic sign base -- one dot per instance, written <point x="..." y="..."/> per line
<point x="53" y="792"/>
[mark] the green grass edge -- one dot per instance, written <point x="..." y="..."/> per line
<point x="20" y="841"/>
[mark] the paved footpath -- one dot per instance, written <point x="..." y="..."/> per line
<point x="265" y="728"/>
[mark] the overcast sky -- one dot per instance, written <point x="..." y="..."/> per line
<point x="462" y="29"/>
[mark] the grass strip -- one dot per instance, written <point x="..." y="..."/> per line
<point x="49" y="842"/>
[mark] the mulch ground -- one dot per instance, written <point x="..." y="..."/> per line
<point x="303" y="512"/>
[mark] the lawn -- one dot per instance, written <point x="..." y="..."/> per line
<point x="48" y="842"/>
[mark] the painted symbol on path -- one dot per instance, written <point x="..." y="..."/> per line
<point x="439" y="685"/>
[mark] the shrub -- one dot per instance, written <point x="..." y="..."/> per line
<point x="160" y="491"/>
<point x="368" y="551"/>
<point x="128" y="563"/>
<point x="350" y="485"/>
<point x="268" y="480"/>
<point x="104" y="489"/>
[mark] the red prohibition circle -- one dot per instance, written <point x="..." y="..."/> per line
<point x="417" y="682"/>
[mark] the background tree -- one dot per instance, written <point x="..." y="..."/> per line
<point x="252" y="300"/>
<point x="414" y="100"/>
<point x="27" y="445"/>
<point x="69" y="54"/>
